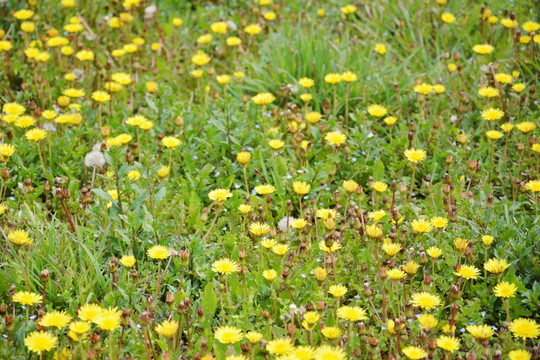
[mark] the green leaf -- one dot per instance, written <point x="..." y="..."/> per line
<point x="209" y="300"/>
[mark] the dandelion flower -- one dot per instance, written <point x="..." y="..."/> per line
<point x="27" y="298"/>
<point x="225" y="266"/>
<point x="280" y="346"/>
<point x="425" y="300"/>
<point x="159" y="252"/>
<point x="480" y="332"/>
<point x="414" y="352"/>
<point x="167" y="328"/>
<point x="39" y="341"/>
<point x="525" y="328"/>
<point x="505" y="290"/>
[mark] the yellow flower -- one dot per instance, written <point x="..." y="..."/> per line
<point x="40" y="341"/>
<point x="280" y="249"/>
<point x="225" y="266"/>
<point x="333" y="248"/>
<point x="350" y="186"/>
<point x="379" y="186"/>
<point x="421" y="226"/>
<point x="391" y="249"/>
<point x="167" y="328"/>
<point x="313" y="117"/>
<point x="533" y="185"/>
<point x="390" y="120"/>
<point x="233" y="41"/>
<point x="163" y="171"/>
<point x="85" y="55"/>
<point x="427" y="321"/>
<point x="509" y="23"/>
<point x="434" y="252"/>
<point x="452" y="67"/>
<point x="526" y="127"/>
<point x="480" y="332"/>
<point x="204" y="39"/>
<point x="171" y="142"/>
<point x="494" y="134"/>
<point x="439" y="222"/>
<point x="301" y="187"/>
<point x="331" y="332"/>
<point x="57" y="319"/>
<point x="348" y="9"/>
<point x="414" y="352"/>
<point x="133" y="175"/>
<point x="448" y="18"/>
<point x="395" y="274"/>
<point x="36" y="134"/>
<point x="159" y="252"/>
<point x="461" y="244"/>
<point x="448" y="343"/>
<point x="488" y="92"/>
<point x="487" y="240"/>
<point x="74" y="93"/>
<point x="280" y="346"/>
<point x="127" y="260"/>
<point x="299" y="224"/>
<point x="177" y="22"/>
<point x="337" y="291"/>
<point x="7" y="150"/>
<point x="89" y="312"/>
<point x="380" y="48"/>
<point x="483" y="49"/>
<point x="503" y="78"/>
<point x="223" y="79"/>
<point x="376" y="215"/>
<point x="306" y="82"/>
<point x="306" y="97"/>
<point x="468" y="272"/>
<point x="496" y="266"/>
<point x="254" y="336"/>
<point x="320" y="274"/>
<point x="519" y="355"/>
<point x="377" y="110"/>
<point x="108" y="319"/>
<point x="219" y="195"/>
<point x="200" y="58"/>
<point x="5" y="45"/>
<point x="351" y="313"/>
<point x="265" y="189"/>
<point x="151" y="87"/>
<point x="425" y="300"/>
<point x="259" y="229"/>
<point x="525" y="328"/>
<point x="269" y="275"/>
<point x="19" y="237"/>
<point x="333" y="78"/>
<point x="507" y="127"/>
<point x="439" y="88"/>
<point x="505" y="290"/>
<point x="245" y="209"/>
<point x="263" y="99"/>
<point x="28" y="27"/>
<point x="13" y="108"/>
<point x="253" y="29"/>
<point x="374" y="231"/>
<point x="276" y="144"/>
<point x="79" y="327"/>
<point x="336" y="138"/>
<point x="519" y="87"/>
<point x="348" y="76"/>
<point x="27" y="298"/>
<point x="423" y="88"/>
<point x="328" y="352"/>
<point x="415" y="155"/>
<point x="23" y="14"/>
